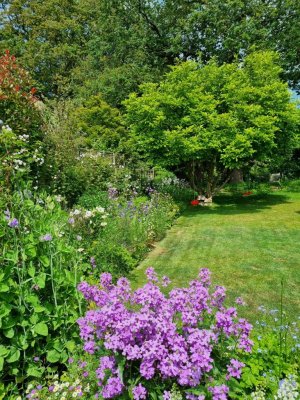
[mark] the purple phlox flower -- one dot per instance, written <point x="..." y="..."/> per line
<point x="139" y="392"/>
<point x="219" y="392"/>
<point x="85" y="374"/>
<point x="167" y="395"/>
<point x="71" y="220"/>
<point x="240" y="301"/>
<point x="234" y="369"/>
<point x="191" y="396"/>
<point x="112" y="388"/>
<point x="218" y="296"/>
<point x="46" y="238"/>
<point x="14" y="223"/>
<point x="39" y="387"/>
<point x="70" y="360"/>
<point x="93" y="262"/>
<point x="165" y="281"/>
<point x="151" y="275"/>
<point x="82" y="364"/>
<point x="36" y="359"/>
<point x="204" y="276"/>
<point x="106" y="280"/>
<point x="7" y="215"/>
<point x="50" y="388"/>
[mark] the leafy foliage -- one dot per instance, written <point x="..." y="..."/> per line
<point x="209" y="120"/>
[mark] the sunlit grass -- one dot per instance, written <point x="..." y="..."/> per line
<point x="250" y="245"/>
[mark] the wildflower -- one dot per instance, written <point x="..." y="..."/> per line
<point x="165" y="281"/>
<point x="103" y="223"/>
<point x="139" y="392"/>
<point x="46" y="238"/>
<point x="7" y="215"/>
<point x="234" y="369"/>
<point x="79" y="238"/>
<point x="240" y="301"/>
<point x="14" y="223"/>
<point x="88" y="214"/>
<point x="219" y="392"/>
<point x="71" y="221"/>
<point x="70" y="360"/>
<point x="93" y="262"/>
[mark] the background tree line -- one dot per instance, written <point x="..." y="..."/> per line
<point x="83" y="47"/>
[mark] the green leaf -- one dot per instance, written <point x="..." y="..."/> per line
<point x="4" y="288"/>
<point x="53" y="356"/>
<point x="41" y="329"/>
<point x="35" y="371"/>
<point x="3" y="350"/>
<point x="44" y="260"/>
<point x="14" y="355"/>
<point x="70" y="345"/>
<point x="30" y="250"/>
<point x="40" y="280"/>
<point x="1" y="363"/>
<point x="9" y="333"/>
<point x="31" y="271"/>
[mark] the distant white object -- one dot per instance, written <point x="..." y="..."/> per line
<point x="275" y="177"/>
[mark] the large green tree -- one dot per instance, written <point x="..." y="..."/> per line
<point x="83" y="47"/>
<point x="207" y="120"/>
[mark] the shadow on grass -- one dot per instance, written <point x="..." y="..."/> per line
<point x="227" y="204"/>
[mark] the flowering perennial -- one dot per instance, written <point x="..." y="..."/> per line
<point x="143" y="336"/>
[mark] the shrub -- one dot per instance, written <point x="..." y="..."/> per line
<point x="18" y="104"/>
<point x="39" y="304"/>
<point x="275" y="355"/>
<point x="18" y="157"/>
<point x="148" y="343"/>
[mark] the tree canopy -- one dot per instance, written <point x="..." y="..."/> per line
<point x="83" y="47"/>
<point x="208" y="120"/>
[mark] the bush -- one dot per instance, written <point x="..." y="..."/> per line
<point x="275" y="355"/>
<point x="149" y="344"/>
<point x="131" y="226"/>
<point x="39" y="304"/>
<point x="18" y="106"/>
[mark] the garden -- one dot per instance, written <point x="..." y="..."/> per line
<point x="149" y="200"/>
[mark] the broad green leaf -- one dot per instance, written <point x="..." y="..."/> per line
<point x="40" y="280"/>
<point x="9" y="333"/>
<point x="30" y="250"/>
<point x="3" y="350"/>
<point x="41" y="329"/>
<point x="35" y="371"/>
<point x="31" y="271"/>
<point x="1" y="363"/>
<point x="44" y="260"/>
<point x="53" y="356"/>
<point x="14" y="355"/>
<point x="3" y="287"/>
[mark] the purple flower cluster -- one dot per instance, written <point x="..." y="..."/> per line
<point x="171" y="338"/>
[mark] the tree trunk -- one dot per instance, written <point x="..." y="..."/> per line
<point x="236" y="176"/>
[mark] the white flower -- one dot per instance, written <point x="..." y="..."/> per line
<point x="76" y="212"/>
<point x="88" y="214"/>
<point x="100" y="209"/>
<point x="103" y="223"/>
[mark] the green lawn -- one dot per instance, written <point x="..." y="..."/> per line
<point x="250" y="245"/>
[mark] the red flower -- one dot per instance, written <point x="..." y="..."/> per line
<point x="247" y="194"/>
<point x="195" y="202"/>
<point x="33" y="90"/>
